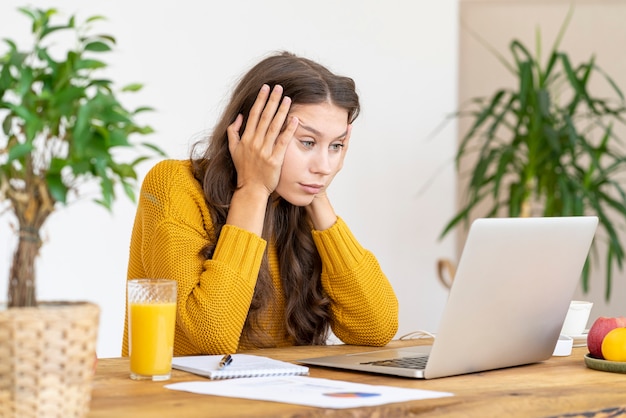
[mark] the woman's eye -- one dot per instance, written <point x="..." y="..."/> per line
<point x="307" y="144"/>
<point x="336" y="147"/>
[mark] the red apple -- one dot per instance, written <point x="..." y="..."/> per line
<point x="598" y="330"/>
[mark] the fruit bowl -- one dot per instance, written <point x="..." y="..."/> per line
<point x="605" y="365"/>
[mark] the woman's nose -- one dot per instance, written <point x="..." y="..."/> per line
<point x="321" y="163"/>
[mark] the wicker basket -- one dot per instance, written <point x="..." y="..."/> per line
<point x="47" y="359"/>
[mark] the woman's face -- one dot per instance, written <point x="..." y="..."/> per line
<point x="315" y="154"/>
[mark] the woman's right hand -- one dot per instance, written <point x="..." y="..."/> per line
<point x="259" y="152"/>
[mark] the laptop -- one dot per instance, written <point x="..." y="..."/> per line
<point x="508" y="301"/>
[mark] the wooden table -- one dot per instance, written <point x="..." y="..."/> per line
<point x="558" y="387"/>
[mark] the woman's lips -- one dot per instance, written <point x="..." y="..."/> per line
<point x="311" y="188"/>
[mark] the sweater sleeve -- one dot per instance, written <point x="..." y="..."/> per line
<point x="170" y="230"/>
<point x="364" y="306"/>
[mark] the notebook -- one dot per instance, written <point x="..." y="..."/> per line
<point x="512" y="289"/>
<point x="243" y="365"/>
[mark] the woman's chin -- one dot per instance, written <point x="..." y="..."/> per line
<point x="300" y="200"/>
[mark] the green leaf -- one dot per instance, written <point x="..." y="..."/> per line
<point x="57" y="189"/>
<point x="7" y="123"/>
<point x="95" y="18"/>
<point x="89" y="64"/>
<point x="129" y="189"/>
<point x="108" y="192"/>
<point x="97" y="46"/>
<point x="67" y="97"/>
<point x="132" y="87"/>
<point x="126" y="171"/>
<point x="144" y="130"/>
<point x="143" y="109"/>
<point x="56" y="166"/>
<point x="19" y="151"/>
<point x="80" y="133"/>
<point x="100" y="83"/>
<point x="28" y="12"/>
<point x="81" y="167"/>
<point x="118" y="139"/>
<point x="47" y="30"/>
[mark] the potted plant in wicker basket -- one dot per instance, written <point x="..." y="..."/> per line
<point x="61" y="129"/>
<point x="548" y="147"/>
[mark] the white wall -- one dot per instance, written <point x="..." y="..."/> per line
<point x="401" y="53"/>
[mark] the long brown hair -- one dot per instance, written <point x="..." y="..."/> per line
<point x="288" y="226"/>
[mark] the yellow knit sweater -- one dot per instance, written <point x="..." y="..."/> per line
<point x="214" y="295"/>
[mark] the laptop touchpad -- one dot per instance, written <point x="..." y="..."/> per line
<point x="392" y="354"/>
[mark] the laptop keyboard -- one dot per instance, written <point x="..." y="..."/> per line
<point x="404" y="362"/>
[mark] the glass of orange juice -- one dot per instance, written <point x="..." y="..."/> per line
<point x="151" y="319"/>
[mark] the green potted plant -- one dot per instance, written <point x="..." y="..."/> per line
<point x="63" y="129"/>
<point x="547" y="147"/>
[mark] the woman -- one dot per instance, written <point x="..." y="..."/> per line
<point x="247" y="230"/>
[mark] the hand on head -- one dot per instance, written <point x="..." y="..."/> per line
<point x="259" y="152"/>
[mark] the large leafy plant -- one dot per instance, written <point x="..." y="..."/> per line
<point x="62" y="127"/>
<point x="547" y="147"/>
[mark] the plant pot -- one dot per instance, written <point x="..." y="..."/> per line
<point x="47" y="357"/>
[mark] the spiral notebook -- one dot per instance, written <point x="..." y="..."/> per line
<point x="243" y="365"/>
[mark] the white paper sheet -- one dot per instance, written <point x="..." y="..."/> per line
<point x="310" y="391"/>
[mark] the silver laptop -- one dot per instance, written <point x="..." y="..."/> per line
<point x="511" y="292"/>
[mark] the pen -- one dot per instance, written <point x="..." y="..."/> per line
<point x="225" y="361"/>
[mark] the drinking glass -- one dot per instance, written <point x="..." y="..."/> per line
<point x="151" y="320"/>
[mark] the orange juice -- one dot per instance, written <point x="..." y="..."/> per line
<point x="151" y="338"/>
